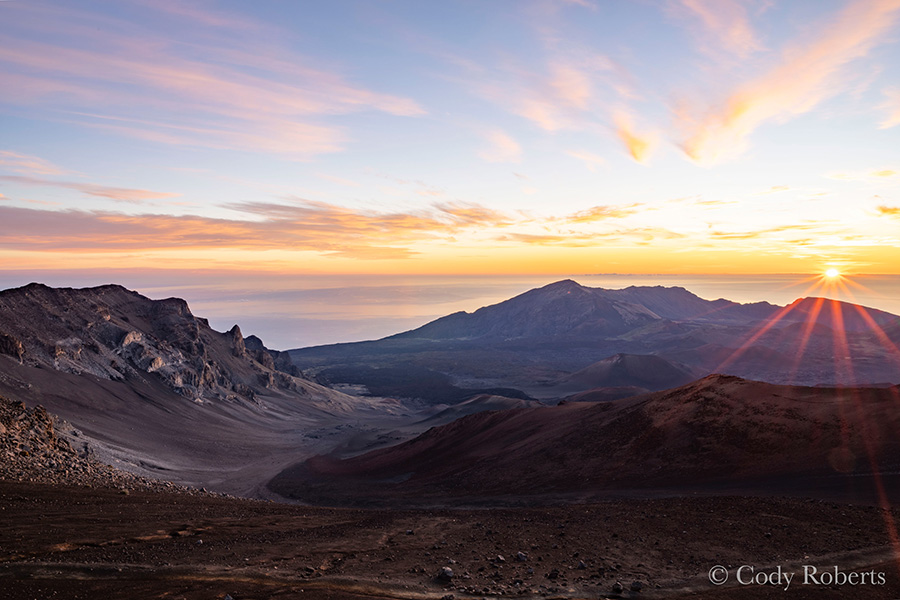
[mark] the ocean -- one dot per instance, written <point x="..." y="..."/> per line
<point x="293" y="311"/>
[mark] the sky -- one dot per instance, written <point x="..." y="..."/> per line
<point x="460" y="137"/>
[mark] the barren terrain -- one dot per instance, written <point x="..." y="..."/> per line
<point x="80" y="543"/>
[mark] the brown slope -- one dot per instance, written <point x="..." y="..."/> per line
<point x="622" y="370"/>
<point x="156" y="390"/>
<point x="718" y="430"/>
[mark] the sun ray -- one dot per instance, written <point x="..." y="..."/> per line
<point x="805" y="336"/>
<point x="781" y="314"/>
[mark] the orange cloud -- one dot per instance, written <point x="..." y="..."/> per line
<point x="725" y="22"/>
<point x="805" y="76"/>
<point x="92" y="189"/>
<point x="889" y="211"/>
<point x="600" y="213"/>
<point x="639" y="146"/>
<point x="750" y="235"/>
<point x="311" y="226"/>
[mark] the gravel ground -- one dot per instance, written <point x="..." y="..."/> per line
<point x="75" y="542"/>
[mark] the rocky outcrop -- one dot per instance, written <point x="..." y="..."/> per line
<point x="237" y="341"/>
<point x="113" y="333"/>
<point x="273" y="359"/>
<point x="10" y="346"/>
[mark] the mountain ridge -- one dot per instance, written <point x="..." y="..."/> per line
<point x="547" y="334"/>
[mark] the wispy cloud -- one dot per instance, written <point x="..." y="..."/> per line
<point x="220" y="91"/>
<point x="871" y="175"/>
<point x="591" y="161"/>
<point x="640" y="146"/>
<point x="602" y="213"/>
<point x="775" y="189"/>
<point x="26" y="164"/>
<point x="766" y="232"/>
<point x="892" y="107"/>
<point x="120" y="194"/>
<point x="889" y="211"/>
<point x="720" y="25"/>
<point x="303" y="225"/>
<point x="806" y="75"/>
<point x="501" y="148"/>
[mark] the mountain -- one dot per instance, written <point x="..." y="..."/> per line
<point x="622" y="370"/>
<point x="155" y="390"/>
<point x="720" y="433"/>
<point x="568" y="309"/>
<point x="536" y="340"/>
<point x="116" y="334"/>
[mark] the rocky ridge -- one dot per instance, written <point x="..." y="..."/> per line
<point x="116" y="334"/>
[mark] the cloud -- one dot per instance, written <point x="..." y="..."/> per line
<point x="640" y="146"/>
<point x="601" y="213"/>
<point x="590" y="160"/>
<point x="222" y="90"/>
<point x="338" y="180"/>
<point x="723" y="22"/>
<point x="582" y="3"/>
<point x="751" y="235"/>
<point x="29" y="165"/>
<point x="774" y="190"/>
<point x="806" y="75"/>
<point x="889" y="211"/>
<point x="303" y="225"/>
<point x="872" y="175"/>
<point x="502" y="148"/>
<point x="135" y="196"/>
<point x="560" y="92"/>
<point x="635" y="235"/>
<point x="892" y="106"/>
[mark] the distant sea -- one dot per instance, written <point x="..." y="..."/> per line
<point x="296" y="311"/>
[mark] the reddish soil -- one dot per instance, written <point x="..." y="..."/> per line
<point x="720" y="433"/>
<point x="81" y="543"/>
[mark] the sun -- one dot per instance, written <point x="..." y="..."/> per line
<point x="832" y="273"/>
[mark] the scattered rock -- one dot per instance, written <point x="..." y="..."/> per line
<point x="636" y="586"/>
<point x="521" y="556"/>
<point x="33" y="449"/>
<point x="445" y="574"/>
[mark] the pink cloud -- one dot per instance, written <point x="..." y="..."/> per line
<point x="724" y="22"/>
<point x="806" y="75"/>
<point x="221" y="91"/>
<point x="30" y="165"/>
<point x="135" y="196"/>
<point x="501" y="148"/>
